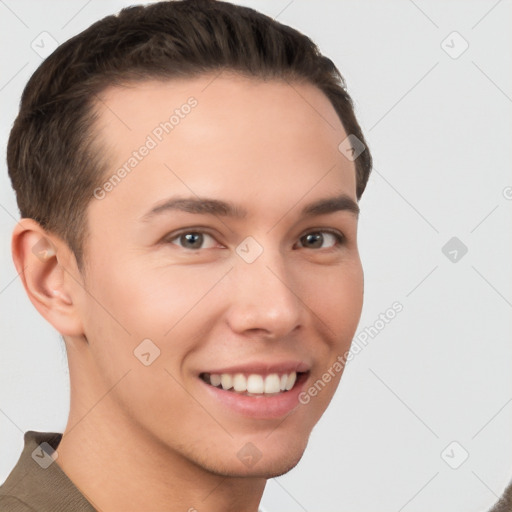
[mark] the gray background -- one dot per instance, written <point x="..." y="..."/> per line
<point x="438" y="125"/>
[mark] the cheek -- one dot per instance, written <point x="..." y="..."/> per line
<point x="335" y="296"/>
<point x="136" y="297"/>
<point x="128" y="303"/>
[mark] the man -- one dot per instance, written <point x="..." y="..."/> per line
<point x="188" y="175"/>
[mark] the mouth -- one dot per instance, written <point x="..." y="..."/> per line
<point x="259" y="390"/>
<point x="255" y="385"/>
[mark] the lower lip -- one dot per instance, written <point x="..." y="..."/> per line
<point x="260" y="407"/>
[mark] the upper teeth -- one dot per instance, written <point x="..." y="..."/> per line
<point x="254" y="383"/>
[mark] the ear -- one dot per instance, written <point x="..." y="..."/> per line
<point x="50" y="275"/>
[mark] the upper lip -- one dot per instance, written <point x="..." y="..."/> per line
<point x="264" y="367"/>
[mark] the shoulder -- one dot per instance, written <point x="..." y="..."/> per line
<point x="505" y="502"/>
<point x="13" y="504"/>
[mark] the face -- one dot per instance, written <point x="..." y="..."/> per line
<point x="256" y="295"/>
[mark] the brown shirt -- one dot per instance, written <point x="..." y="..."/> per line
<point x="37" y="484"/>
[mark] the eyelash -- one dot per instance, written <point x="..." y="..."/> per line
<point x="340" y="238"/>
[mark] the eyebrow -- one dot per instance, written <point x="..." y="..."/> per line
<point x="210" y="206"/>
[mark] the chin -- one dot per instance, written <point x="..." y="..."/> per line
<point x="278" y="463"/>
<point x="280" y="467"/>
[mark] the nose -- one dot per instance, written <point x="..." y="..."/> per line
<point x="265" y="298"/>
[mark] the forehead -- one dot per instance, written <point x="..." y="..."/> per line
<point x="232" y="104"/>
<point x="216" y="134"/>
<point x="215" y="92"/>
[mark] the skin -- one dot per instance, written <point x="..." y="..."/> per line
<point x="149" y="437"/>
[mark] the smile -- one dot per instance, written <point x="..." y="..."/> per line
<point x="252" y="384"/>
<point x="258" y="389"/>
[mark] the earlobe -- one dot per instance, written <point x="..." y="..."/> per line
<point x="40" y="259"/>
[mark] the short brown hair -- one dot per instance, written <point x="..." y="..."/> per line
<point x="52" y="162"/>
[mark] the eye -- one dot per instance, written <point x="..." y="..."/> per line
<point x="315" y="239"/>
<point x="191" y="239"/>
<point x="194" y="240"/>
